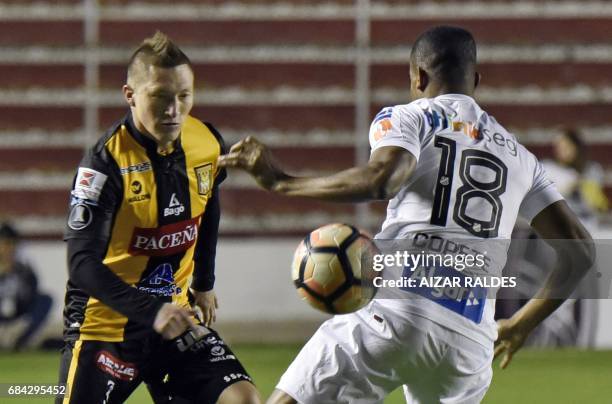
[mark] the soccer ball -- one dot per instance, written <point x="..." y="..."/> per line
<point x="332" y="268"/>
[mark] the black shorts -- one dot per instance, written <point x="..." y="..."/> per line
<point x="185" y="370"/>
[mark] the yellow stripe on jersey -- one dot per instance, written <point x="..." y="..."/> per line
<point x="74" y="362"/>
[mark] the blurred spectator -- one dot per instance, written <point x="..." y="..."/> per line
<point x="577" y="178"/>
<point x="23" y="309"/>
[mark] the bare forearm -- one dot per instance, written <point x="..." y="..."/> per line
<point x="356" y="184"/>
<point x="381" y="178"/>
<point x="559" y="285"/>
<point x="534" y="312"/>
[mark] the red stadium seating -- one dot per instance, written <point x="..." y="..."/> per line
<point x="283" y="71"/>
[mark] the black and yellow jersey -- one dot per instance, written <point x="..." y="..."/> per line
<point x="142" y="229"/>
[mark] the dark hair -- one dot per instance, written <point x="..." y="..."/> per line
<point x="159" y="51"/>
<point x="446" y="52"/>
<point x="8" y="232"/>
<point x="575" y="137"/>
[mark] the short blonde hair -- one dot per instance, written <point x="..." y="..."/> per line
<point x="158" y="50"/>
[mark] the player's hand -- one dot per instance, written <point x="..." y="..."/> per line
<point x="207" y="302"/>
<point x="172" y="321"/>
<point x="254" y="157"/>
<point x="510" y="338"/>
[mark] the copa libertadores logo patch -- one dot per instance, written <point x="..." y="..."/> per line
<point x="80" y="216"/>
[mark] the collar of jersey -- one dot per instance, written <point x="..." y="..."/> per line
<point x="146" y="141"/>
<point x="455" y="96"/>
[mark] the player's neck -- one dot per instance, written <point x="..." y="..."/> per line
<point x="436" y="89"/>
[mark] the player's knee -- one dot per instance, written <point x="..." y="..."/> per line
<point x="240" y="393"/>
<point x="280" y="397"/>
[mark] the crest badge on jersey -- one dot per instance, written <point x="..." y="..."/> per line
<point x="205" y="180"/>
<point x="88" y="185"/>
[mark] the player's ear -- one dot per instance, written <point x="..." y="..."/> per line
<point x="477" y="78"/>
<point x="423" y="80"/>
<point x="128" y="94"/>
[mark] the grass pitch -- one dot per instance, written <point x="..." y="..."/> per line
<point x="560" y="377"/>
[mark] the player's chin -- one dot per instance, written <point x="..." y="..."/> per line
<point x="169" y="130"/>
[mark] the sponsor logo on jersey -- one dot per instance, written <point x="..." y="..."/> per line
<point x="382" y="123"/>
<point x="205" y="180"/>
<point x="80" y="216"/>
<point x="217" y="350"/>
<point x="193" y="339"/>
<point x="136" y="189"/>
<point x="435" y="120"/>
<point x="160" y="282"/>
<point x="115" y="367"/>
<point x="175" y="207"/>
<point x="136" y="168"/>
<point x="222" y="358"/>
<point x="165" y="240"/>
<point x="212" y="340"/>
<point x="443" y="285"/>
<point x="88" y="184"/>
<point x="468" y="128"/>
<point x="382" y="128"/>
<point x="236" y="376"/>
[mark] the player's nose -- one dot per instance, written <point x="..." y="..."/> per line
<point x="172" y="109"/>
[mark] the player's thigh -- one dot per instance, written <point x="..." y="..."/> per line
<point x="350" y="359"/>
<point x="205" y="370"/>
<point x="280" y="397"/>
<point x="462" y="377"/>
<point x="94" y="371"/>
<point x="461" y="390"/>
<point x="242" y="392"/>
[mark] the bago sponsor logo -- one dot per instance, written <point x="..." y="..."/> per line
<point x="175" y="207"/>
<point x="115" y="367"/>
<point x="165" y="240"/>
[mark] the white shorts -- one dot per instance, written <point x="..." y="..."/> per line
<point x="360" y="358"/>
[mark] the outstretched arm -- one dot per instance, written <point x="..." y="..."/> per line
<point x="556" y="224"/>
<point x="380" y="179"/>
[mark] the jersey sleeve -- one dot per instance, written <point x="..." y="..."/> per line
<point x="541" y="194"/>
<point x="95" y="196"/>
<point x="400" y="126"/>
<point x="206" y="247"/>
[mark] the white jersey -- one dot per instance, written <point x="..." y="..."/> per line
<point x="472" y="180"/>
